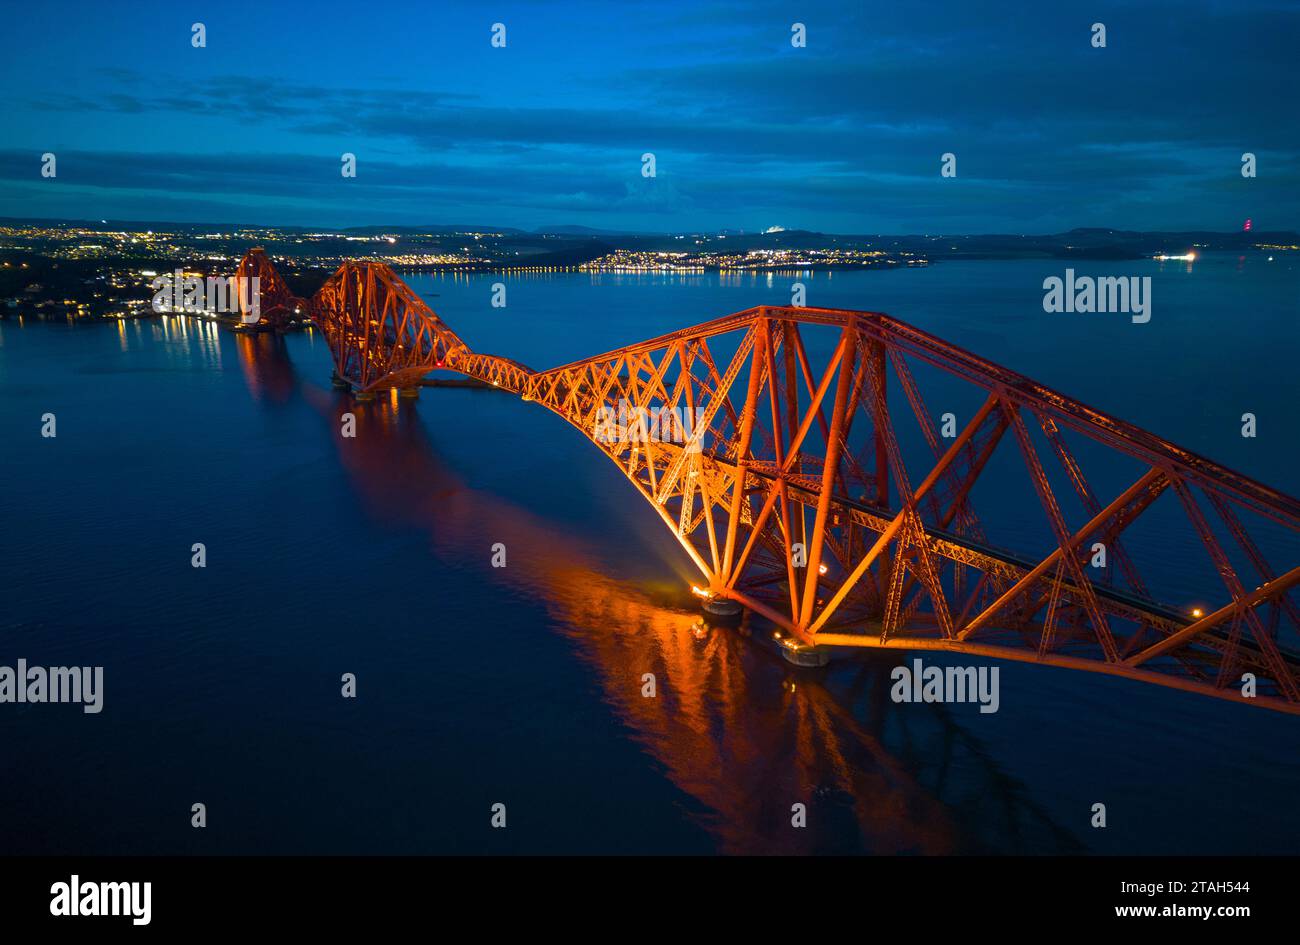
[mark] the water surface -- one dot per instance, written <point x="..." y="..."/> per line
<point x="522" y="685"/>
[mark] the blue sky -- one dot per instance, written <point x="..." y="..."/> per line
<point x="844" y="135"/>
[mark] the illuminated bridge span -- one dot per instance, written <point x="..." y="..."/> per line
<point x="815" y="489"/>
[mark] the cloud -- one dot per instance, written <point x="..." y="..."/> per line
<point x="845" y="135"/>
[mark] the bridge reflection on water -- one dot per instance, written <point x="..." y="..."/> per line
<point x="733" y="726"/>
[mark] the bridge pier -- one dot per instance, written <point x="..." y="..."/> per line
<point x="798" y="653"/>
<point x="721" y="611"/>
<point x="409" y="393"/>
<point x="721" y="607"/>
<point x="338" y="383"/>
<point x="726" y="612"/>
<point x="364" y="396"/>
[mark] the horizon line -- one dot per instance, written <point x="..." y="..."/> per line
<point x="581" y="229"/>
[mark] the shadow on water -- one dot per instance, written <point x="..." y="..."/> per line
<point x="733" y="726"/>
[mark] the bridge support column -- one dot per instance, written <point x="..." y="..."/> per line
<point x="338" y="383"/>
<point x="801" y="654"/>
<point x="719" y="611"/>
<point x="409" y="393"/>
<point x="364" y="396"/>
<point x="721" y="607"/>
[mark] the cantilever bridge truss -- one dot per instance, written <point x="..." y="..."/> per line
<point x="811" y="483"/>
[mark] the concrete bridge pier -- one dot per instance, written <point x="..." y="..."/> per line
<point x="721" y="607"/>
<point x="409" y="393"/>
<point x="721" y="610"/>
<point x="798" y="653"/>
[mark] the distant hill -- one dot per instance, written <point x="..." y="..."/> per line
<point x="573" y="230"/>
<point x="431" y="228"/>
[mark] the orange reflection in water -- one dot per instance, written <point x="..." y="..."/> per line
<point x="732" y="726"/>
<point x="268" y="372"/>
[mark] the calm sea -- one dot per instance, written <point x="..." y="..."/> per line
<point x="522" y="685"/>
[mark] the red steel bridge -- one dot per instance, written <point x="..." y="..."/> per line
<point x="808" y="482"/>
